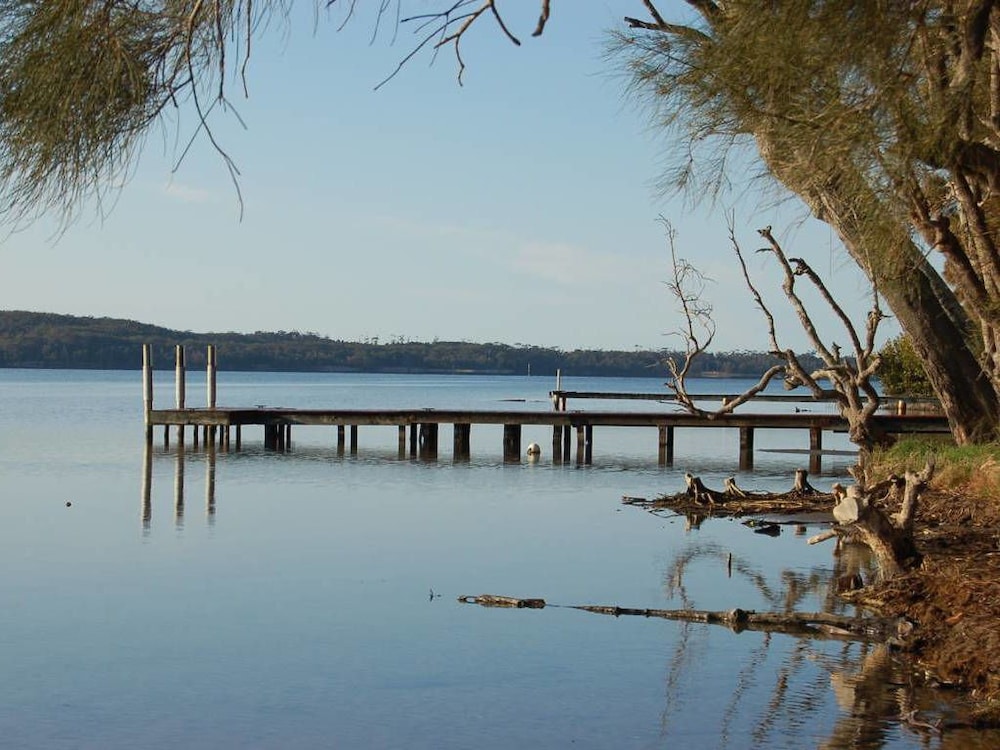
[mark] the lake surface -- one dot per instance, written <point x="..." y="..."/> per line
<point x="310" y="600"/>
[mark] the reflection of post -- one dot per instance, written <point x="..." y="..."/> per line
<point x="210" y="482"/>
<point x="147" y="486"/>
<point x="179" y="486"/>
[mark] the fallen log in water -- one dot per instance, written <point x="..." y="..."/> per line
<point x="492" y="600"/>
<point x="814" y="624"/>
<point x="733" y="500"/>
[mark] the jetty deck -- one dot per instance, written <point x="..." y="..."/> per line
<point x="418" y="428"/>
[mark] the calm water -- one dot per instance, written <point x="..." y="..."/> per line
<point x="284" y="600"/>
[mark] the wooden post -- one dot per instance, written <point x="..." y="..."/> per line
<point x="180" y="376"/>
<point x="815" y="450"/>
<point x="567" y="442"/>
<point x="428" y="440"/>
<point x="901" y="408"/>
<point x="512" y="443"/>
<point x="194" y="438"/>
<point x="147" y="388"/>
<point x="746" y="448"/>
<point x="288" y="437"/>
<point x="402" y="440"/>
<point x="557" y="431"/>
<point x="580" y="443"/>
<point x="354" y="439"/>
<point x="210" y="368"/>
<point x="414" y="440"/>
<point x="239" y="436"/>
<point x="666" y="445"/>
<point x="461" y="448"/>
<point x="588" y="456"/>
<point x="340" y="439"/>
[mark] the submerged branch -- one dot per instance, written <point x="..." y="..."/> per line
<point x="813" y="624"/>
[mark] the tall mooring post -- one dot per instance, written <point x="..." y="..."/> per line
<point x="211" y="366"/>
<point x="179" y="386"/>
<point x="147" y="389"/>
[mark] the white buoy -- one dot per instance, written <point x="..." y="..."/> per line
<point x="534" y="450"/>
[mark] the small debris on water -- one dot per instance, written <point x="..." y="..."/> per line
<point x="763" y="527"/>
<point x="68" y="503"/>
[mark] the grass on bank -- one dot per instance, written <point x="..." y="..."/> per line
<point x="970" y="469"/>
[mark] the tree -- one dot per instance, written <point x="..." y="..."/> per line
<point x="884" y="119"/>
<point x="849" y="378"/>
<point x="901" y="372"/>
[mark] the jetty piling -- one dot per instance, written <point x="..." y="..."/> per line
<point x="180" y="377"/>
<point x="461" y="441"/>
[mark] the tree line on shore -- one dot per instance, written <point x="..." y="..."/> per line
<point x="48" y="340"/>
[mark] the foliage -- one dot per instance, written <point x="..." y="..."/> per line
<point x="81" y="82"/>
<point x="29" y="339"/>
<point x="974" y="469"/>
<point x="884" y="118"/>
<point x="902" y="372"/>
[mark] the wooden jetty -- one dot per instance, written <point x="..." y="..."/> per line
<point x="418" y="428"/>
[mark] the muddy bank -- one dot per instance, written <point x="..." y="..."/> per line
<point x="953" y="598"/>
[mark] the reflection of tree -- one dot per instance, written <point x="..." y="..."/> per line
<point x="865" y="681"/>
<point x="746" y="680"/>
<point x="796" y="586"/>
<point x="865" y="699"/>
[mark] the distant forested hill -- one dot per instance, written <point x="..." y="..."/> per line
<point x="30" y="339"/>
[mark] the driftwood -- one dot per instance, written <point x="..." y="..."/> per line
<point x="815" y="624"/>
<point x="801" y="485"/>
<point x="889" y="536"/>
<point x="493" y="600"/>
<point x="734" y="500"/>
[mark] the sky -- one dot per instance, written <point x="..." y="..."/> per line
<point x="519" y="207"/>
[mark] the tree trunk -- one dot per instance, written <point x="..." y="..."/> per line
<point x="890" y="538"/>
<point x="926" y="308"/>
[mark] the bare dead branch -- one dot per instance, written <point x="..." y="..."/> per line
<point x="796" y="302"/>
<point x="687" y="286"/>
<point x="446" y="27"/>
<point x="543" y="19"/>
<point x="801" y="268"/>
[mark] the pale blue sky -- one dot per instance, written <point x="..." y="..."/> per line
<point x="520" y="207"/>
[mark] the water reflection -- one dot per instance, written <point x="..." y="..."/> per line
<point x="776" y="691"/>
<point x="180" y="455"/>
<point x="764" y="687"/>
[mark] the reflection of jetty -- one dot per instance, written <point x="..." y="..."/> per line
<point x="224" y="425"/>
<point x="179" y="471"/>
